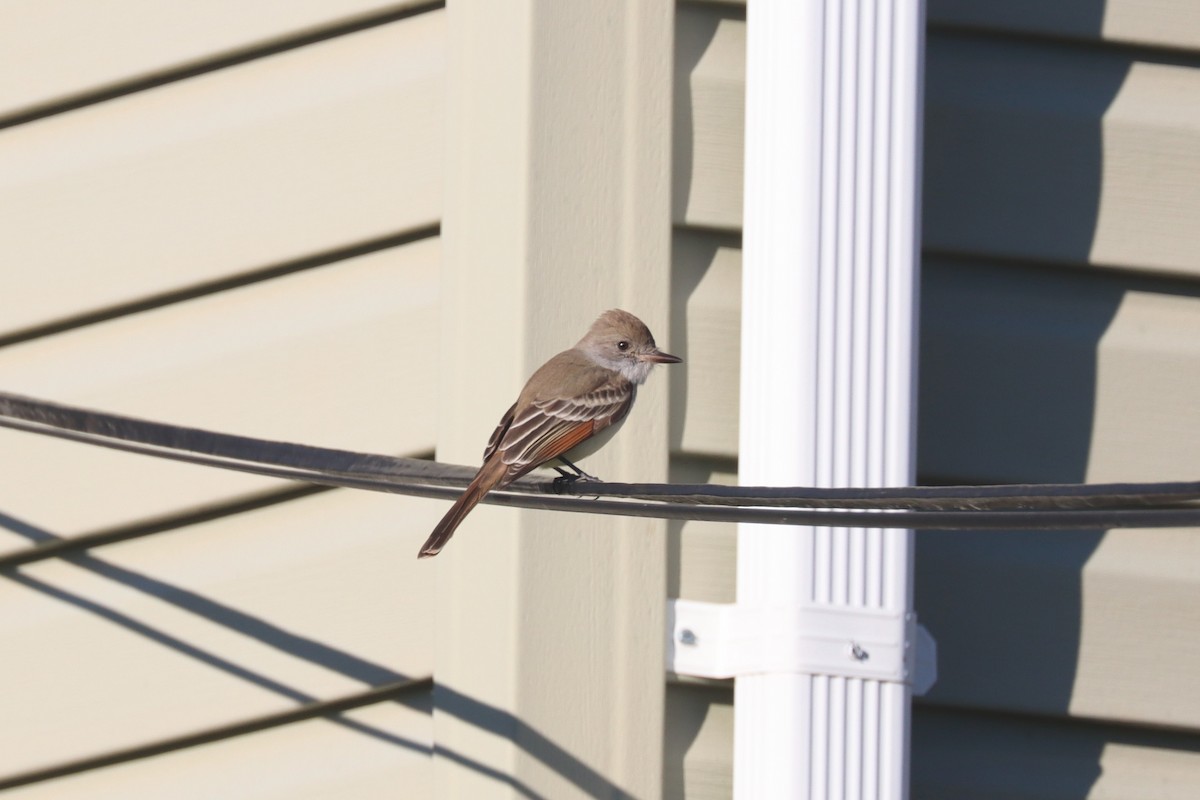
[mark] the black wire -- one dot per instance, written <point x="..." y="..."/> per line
<point x="1025" y="497"/>
<point x="1024" y="507"/>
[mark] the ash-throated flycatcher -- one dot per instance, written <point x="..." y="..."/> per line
<point x="570" y="407"/>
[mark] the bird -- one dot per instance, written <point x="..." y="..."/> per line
<point x="570" y="407"/>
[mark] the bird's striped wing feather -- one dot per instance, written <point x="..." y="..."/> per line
<point x="498" y="434"/>
<point x="550" y="428"/>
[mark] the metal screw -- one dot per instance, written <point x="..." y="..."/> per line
<point x="857" y="651"/>
<point x="686" y="636"/>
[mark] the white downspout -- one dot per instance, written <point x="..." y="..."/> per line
<point x="833" y="110"/>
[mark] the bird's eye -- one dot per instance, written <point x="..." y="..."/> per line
<point x="622" y="345"/>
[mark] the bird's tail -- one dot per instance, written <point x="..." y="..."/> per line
<point x="485" y="480"/>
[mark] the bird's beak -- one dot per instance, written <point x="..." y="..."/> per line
<point x="659" y="357"/>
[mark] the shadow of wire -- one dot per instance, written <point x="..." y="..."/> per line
<point x="487" y="717"/>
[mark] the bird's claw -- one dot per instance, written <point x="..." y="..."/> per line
<point x="566" y="480"/>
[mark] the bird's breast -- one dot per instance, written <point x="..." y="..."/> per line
<point x="594" y="443"/>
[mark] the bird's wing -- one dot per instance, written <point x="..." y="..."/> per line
<point x="549" y="427"/>
<point x="498" y="434"/>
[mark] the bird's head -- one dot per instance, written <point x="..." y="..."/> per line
<point x="622" y="342"/>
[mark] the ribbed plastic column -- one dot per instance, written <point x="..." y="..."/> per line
<point x="833" y="105"/>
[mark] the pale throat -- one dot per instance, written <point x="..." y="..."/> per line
<point x="635" y="371"/>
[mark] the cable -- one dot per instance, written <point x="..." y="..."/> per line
<point x="1049" y="506"/>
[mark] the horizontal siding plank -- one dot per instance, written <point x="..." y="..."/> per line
<point x="706" y="291"/>
<point x="709" y="115"/>
<point x="1147" y="413"/>
<point x="323" y="357"/>
<point x="383" y="752"/>
<point x="1151" y="172"/>
<point x="1008" y="371"/>
<point x="55" y="50"/>
<point x="1084" y="624"/>
<point x="276" y="159"/>
<point x="1155" y="23"/>
<point x="698" y="746"/>
<point x="1045" y="153"/>
<point x="957" y="755"/>
<point x="213" y="623"/>
<point x="1140" y="589"/>
<point x="1032" y="375"/>
<point x="702" y="556"/>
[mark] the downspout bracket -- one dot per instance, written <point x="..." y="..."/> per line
<point x="722" y="640"/>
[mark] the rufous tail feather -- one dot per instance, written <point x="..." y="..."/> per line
<point x="485" y="480"/>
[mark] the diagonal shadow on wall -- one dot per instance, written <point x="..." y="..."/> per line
<point x="494" y="720"/>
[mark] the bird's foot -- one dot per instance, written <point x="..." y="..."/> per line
<point x="566" y="480"/>
<point x="576" y="473"/>
<point x="563" y="483"/>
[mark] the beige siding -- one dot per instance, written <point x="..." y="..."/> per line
<point x="223" y="217"/>
<point x="706" y="292"/>
<point x="1146" y="364"/>
<point x="213" y="623"/>
<point x="960" y="755"/>
<point x="1154" y="23"/>
<point x="52" y="51"/>
<point x="379" y="751"/>
<point x="710" y="85"/>
<point x="557" y="207"/>
<point x="702" y="559"/>
<point x="1094" y="155"/>
<point x="1076" y="623"/>
<point x="1041" y="157"/>
<point x="297" y="358"/>
<point x="242" y="169"/>
<point x="699" y="747"/>
<point x="1097" y="375"/>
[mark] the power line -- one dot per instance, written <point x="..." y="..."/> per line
<point x="1024" y="507"/>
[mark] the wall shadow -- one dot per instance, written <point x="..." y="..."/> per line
<point x="689" y="707"/>
<point x="506" y="725"/>
<point x="693" y="253"/>
<point x="969" y="745"/>
<point x="1013" y="166"/>
<point x="373" y="674"/>
<point x="695" y="28"/>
